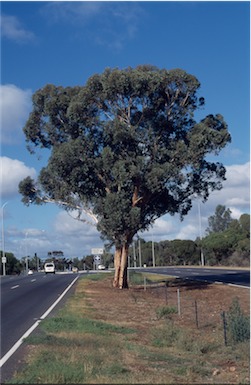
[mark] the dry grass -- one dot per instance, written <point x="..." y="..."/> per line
<point x="109" y="336"/>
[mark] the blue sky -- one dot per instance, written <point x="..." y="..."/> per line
<point x="63" y="43"/>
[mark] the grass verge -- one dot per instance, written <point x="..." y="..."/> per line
<point x="105" y="336"/>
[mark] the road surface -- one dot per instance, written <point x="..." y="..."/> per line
<point x="229" y="276"/>
<point x="24" y="300"/>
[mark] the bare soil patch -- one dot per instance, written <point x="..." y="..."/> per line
<point x="136" y="308"/>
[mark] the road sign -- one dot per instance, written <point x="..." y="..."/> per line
<point x="97" y="251"/>
<point x="4" y="260"/>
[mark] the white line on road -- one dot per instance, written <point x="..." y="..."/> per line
<point x="33" y="280"/>
<point x="242" y="286"/>
<point x="14" y="287"/>
<point x="33" y="327"/>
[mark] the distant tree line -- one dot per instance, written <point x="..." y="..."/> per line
<point x="228" y="240"/>
<point x="226" y="243"/>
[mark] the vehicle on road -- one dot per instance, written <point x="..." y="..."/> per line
<point x="30" y="272"/>
<point x="75" y="269"/>
<point x="101" y="267"/>
<point x="49" y="267"/>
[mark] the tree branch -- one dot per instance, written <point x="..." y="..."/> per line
<point x="87" y="210"/>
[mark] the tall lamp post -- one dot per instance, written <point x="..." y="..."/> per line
<point x="153" y="254"/>
<point x="201" y="250"/>
<point x="140" y="259"/>
<point x="3" y="246"/>
<point x="26" y="252"/>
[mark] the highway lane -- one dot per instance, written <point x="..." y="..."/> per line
<point x="24" y="300"/>
<point x="224" y="275"/>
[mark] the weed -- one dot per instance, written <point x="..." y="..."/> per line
<point x="51" y="369"/>
<point x="181" y="370"/>
<point x="165" y="311"/>
<point x="162" y="357"/>
<point x="185" y="342"/>
<point x="114" y="369"/>
<point x="136" y="278"/>
<point x="75" y="323"/>
<point x="166" y="335"/>
<point x="46" y="339"/>
<point x="238" y="324"/>
<point x="95" y="277"/>
<point x="198" y="370"/>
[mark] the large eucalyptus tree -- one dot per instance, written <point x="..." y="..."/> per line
<point x="125" y="149"/>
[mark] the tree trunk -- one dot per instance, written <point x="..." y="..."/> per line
<point x="117" y="262"/>
<point x="120" y="265"/>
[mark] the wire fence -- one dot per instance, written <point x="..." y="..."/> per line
<point x="200" y="313"/>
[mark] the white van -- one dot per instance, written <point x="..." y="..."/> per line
<point x="49" y="267"/>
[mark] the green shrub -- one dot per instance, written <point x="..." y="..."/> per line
<point x="165" y="336"/>
<point x="238" y="325"/>
<point x="136" y="278"/>
<point x="165" y="311"/>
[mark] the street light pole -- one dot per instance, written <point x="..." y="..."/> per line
<point x="140" y="259"/>
<point x="134" y="254"/>
<point x="201" y="250"/>
<point x="26" y="252"/>
<point x="3" y="246"/>
<point x="153" y="255"/>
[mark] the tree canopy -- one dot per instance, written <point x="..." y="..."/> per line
<point x="125" y="149"/>
<point x="220" y="221"/>
<point x="228" y="244"/>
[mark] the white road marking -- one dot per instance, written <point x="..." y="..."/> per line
<point x="14" y="287"/>
<point x="33" y="280"/>
<point x="243" y="287"/>
<point x="33" y="327"/>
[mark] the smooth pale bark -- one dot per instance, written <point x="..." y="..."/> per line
<point x="117" y="262"/>
<point x="120" y="265"/>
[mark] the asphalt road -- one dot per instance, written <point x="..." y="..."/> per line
<point x="227" y="276"/>
<point x="24" y="300"/>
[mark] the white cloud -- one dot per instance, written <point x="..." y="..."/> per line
<point x="162" y="229"/>
<point x="188" y="232"/>
<point x="235" y="195"/>
<point x="114" y="23"/>
<point x="76" y="238"/>
<point x="72" y="13"/>
<point x="238" y="175"/>
<point x="12" y="172"/>
<point x="12" y="29"/>
<point x="235" y="213"/>
<point x="15" y="105"/>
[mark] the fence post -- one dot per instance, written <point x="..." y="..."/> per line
<point x="178" y="300"/>
<point x="196" y="314"/>
<point x="145" y="283"/>
<point x="223" y="314"/>
<point x="166" y="293"/>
